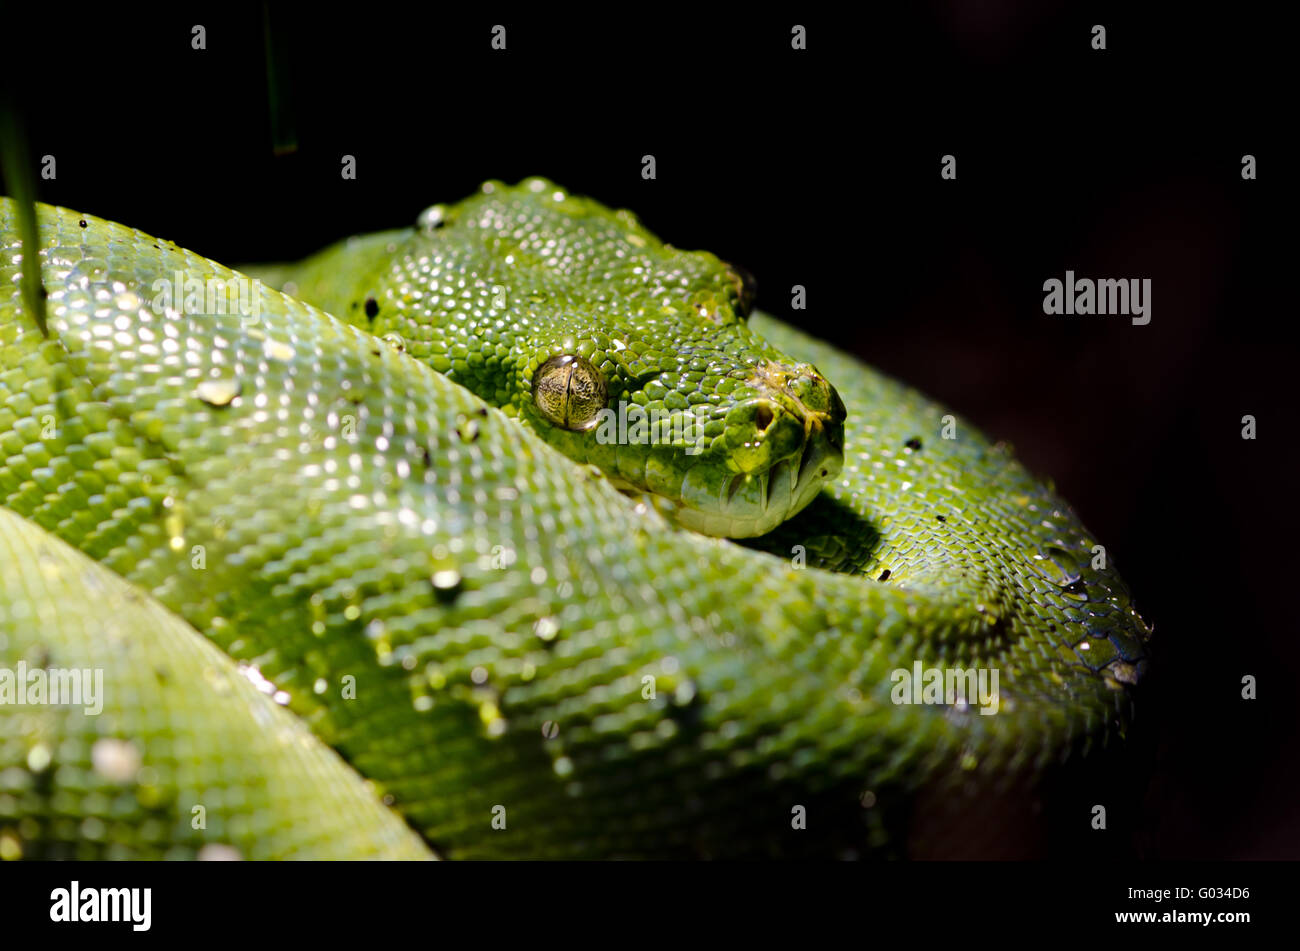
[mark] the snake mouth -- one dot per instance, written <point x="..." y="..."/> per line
<point x="747" y="504"/>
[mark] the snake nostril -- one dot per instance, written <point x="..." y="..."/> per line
<point x="763" y="417"/>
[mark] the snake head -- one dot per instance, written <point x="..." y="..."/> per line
<point x="619" y="350"/>
<point x="731" y="437"/>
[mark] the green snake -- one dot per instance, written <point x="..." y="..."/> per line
<point x="374" y="567"/>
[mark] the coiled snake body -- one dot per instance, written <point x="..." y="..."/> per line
<point x="470" y="614"/>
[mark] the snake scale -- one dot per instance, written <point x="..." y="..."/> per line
<point x="368" y="573"/>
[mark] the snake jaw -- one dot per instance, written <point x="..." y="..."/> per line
<point x="725" y="503"/>
<point x="781" y="447"/>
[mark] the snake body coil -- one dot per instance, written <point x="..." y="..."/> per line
<point x="522" y="656"/>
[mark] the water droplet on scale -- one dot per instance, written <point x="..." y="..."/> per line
<point x="38" y="758"/>
<point x="116" y="760"/>
<point x="215" y="852"/>
<point x="467" y="429"/>
<point x="446" y="583"/>
<point x="218" y="392"/>
<point x="277" y="350"/>
<point x="432" y="218"/>
<point x="1075" y="591"/>
<point x="1056" y="565"/>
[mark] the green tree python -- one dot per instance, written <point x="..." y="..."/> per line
<point x="374" y="567"/>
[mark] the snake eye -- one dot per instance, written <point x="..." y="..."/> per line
<point x="570" y="392"/>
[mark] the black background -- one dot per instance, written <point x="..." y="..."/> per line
<point x="821" y="168"/>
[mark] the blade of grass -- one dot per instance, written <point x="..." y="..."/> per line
<point x="15" y="164"/>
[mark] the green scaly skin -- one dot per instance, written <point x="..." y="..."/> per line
<point x="490" y="631"/>
<point x="185" y="759"/>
